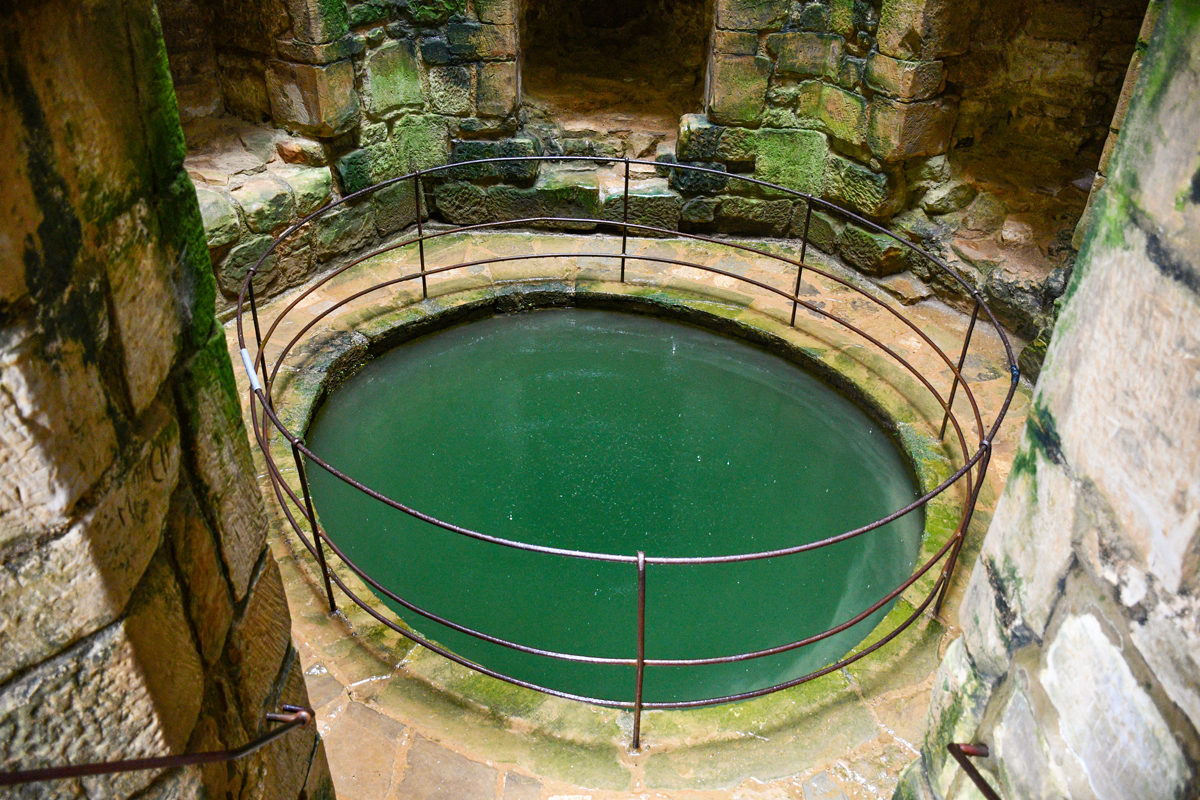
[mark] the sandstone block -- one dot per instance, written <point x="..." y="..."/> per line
<point x="316" y="100"/>
<point x="426" y="12"/>
<point x="700" y="210"/>
<point x="571" y="194"/>
<point x="463" y="203"/>
<point x="194" y="547"/>
<point x="650" y="203"/>
<point x="285" y="762"/>
<point x="392" y="79"/>
<point x="56" y="437"/>
<point x="870" y="252"/>
<point x="903" y="130"/>
<point x="844" y="116"/>
<point x="231" y="273"/>
<point x="792" y="158"/>
<point x="301" y="150"/>
<point x="905" y="80"/>
<point x="520" y="172"/>
<point x="1173" y="653"/>
<point x="220" y="454"/>
<point x="496" y="92"/>
<point x="312" y="187"/>
<point x="751" y="15"/>
<point x="66" y="709"/>
<point x="923" y="30"/>
<point x="146" y="316"/>
<point x="804" y="53"/>
<point x="75" y="583"/>
<point x="474" y="41"/>
<point x="318" y="21"/>
<point x="735" y="43"/>
<point x="739" y="88"/>
<point x="451" y="89"/>
<point x="823" y="230"/>
<point x="266" y="202"/>
<point x="690" y="181"/>
<point x="497" y="12"/>
<point x="221" y="223"/>
<point x="421" y="141"/>
<point x="956" y="708"/>
<point x="1027" y="768"/>
<point x="357" y="169"/>
<point x="342" y="231"/>
<point x="395" y="207"/>
<point x="325" y="53"/>
<point x="755" y="217"/>
<point x="951" y="196"/>
<point x="258" y="643"/>
<point x="873" y="194"/>
<point x="1110" y="706"/>
<point x="985" y="214"/>
<point x="698" y="138"/>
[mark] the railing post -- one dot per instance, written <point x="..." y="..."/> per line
<point x="803" y="253"/>
<point x="258" y="348"/>
<point x="960" y="753"/>
<point x="420" y="235"/>
<point x="952" y="560"/>
<point x="625" y="225"/>
<point x="641" y="651"/>
<point x="312" y="518"/>
<point x="962" y="359"/>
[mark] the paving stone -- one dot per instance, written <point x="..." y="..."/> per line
<point x="392" y="78"/>
<point x="266" y="202"/>
<point x="739" y="88"/>
<point x="519" y="787"/>
<point x="435" y="773"/>
<point x="362" y="749"/>
<point x="822" y="787"/>
<point x="317" y="100"/>
<point x="221" y="223"/>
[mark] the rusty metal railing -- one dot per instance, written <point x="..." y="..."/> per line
<point x="292" y="717"/>
<point x="960" y="753"/>
<point x="297" y="503"/>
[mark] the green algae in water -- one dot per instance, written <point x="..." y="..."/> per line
<point x="614" y="433"/>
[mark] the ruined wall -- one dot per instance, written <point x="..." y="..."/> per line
<point x="141" y="612"/>
<point x="1080" y="656"/>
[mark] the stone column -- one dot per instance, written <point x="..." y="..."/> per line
<point x="142" y="613"/>
<point x="1080" y="656"/>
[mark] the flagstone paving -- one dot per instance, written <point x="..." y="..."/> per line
<point x="401" y="722"/>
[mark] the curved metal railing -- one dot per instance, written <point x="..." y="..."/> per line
<point x="297" y="505"/>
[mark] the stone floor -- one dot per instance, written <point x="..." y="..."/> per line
<point x="394" y="723"/>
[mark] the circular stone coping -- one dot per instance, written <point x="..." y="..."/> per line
<point x="879" y="385"/>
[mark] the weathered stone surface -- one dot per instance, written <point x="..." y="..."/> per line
<point x="66" y="709"/>
<point x="792" y="158"/>
<point x="1017" y="297"/>
<point x="955" y="710"/>
<point x="194" y="547"/>
<point x="221" y="223"/>
<point x="482" y="42"/>
<point x="318" y="20"/>
<point x="301" y="150"/>
<point x="220" y="456"/>
<point x="462" y="203"/>
<point x="850" y="184"/>
<point x="367" y="739"/>
<point x="145" y="314"/>
<point x="691" y="181"/>
<point x="804" y="53"/>
<point x="518" y="787"/>
<point x="450" y="89"/>
<point x="905" y="288"/>
<point x="985" y="214"/>
<point x="496" y="91"/>
<point x="422" y="141"/>
<point x="750" y="15"/>
<point x="1111" y="706"/>
<point x="739" y="88"/>
<point x="285" y="775"/>
<point x="905" y="80"/>
<point x="567" y="193"/>
<point x="700" y="210"/>
<point x="392" y="79"/>
<point x="757" y="217"/>
<point x="244" y="255"/>
<point x="870" y="252"/>
<point x="325" y="53"/>
<point x="75" y="583"/>
<point x="497" y="12"/>
<point x="519" y="172"/>
<point x="341" y="231"/>
<point x="903" y="130"/>
<point x="158" y="628"/>
<point x="822" y="229"/>
<point x="844" y="115"/>
<point x="435" y="773"/>
<point x="923" y="30"/>
<point x="56" y="437"/>
<point x="266" y="202"/>
<point x="394" y="207"/>
<point x="1022" y="751"/>
<point x="317" y="100"/>
<point x="698" y="138"/>
<point x="1173" y="653"/>
<point x="734" y="43"/>
<point x="258" y="642"/>
<point x="650" y="203"/>
<point x="951" y="196"/>
<point x="311" y="187"/>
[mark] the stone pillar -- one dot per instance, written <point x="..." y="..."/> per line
<point x="142" y="613"/>
<point x="1080" y="656"/>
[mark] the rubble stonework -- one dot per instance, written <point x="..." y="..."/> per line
<point x="1080" y="652"/>
<point x="142" y="614"/>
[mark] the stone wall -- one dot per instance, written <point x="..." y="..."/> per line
<point x="1080" y="656"/>
<point x="141" y="612"/>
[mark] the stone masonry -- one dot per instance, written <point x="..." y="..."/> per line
<point x="140" y="611"/>
<point x="1080" y="656"/>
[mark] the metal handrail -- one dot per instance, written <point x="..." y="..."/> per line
<point x="960" y="753"/>
<point x="265" y="422"/>
<point x="292" y="718"/>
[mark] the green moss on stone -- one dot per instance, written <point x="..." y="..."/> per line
<point x="792" y="158"/>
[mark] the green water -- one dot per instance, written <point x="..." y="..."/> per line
<point x="610" y="432"/>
